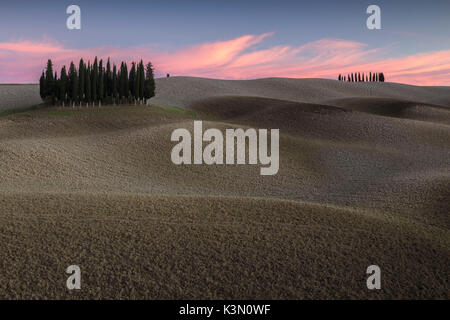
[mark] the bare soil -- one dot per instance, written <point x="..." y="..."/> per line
<point x="362" y="180"/>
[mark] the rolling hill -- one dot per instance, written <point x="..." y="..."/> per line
<point x="364" y="179"/>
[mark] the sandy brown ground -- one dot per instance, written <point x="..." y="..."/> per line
<point x="183" y="91"/>
<point x="362" y="181"/>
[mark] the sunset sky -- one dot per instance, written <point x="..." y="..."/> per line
<point x="232" y="39"/>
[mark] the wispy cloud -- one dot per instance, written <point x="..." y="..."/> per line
<point x="239" y="58"/>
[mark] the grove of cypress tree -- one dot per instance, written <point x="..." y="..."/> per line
<point x="93" y="83"/>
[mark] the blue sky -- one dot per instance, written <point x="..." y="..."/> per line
<point x="408" y="27"/>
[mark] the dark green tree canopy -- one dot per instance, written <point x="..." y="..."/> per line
<point x="362" y="77"/>
<point x="95" y="83"/>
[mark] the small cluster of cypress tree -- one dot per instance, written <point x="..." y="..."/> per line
<point x="92" y="84"/>
<point x="360" y="77"/>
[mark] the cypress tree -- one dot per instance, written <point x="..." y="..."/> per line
<point x="149" y="88"/>
<point x="69" y="83"/>
<point x="49" y="86"/>
<point x="94" y="81"/>
<point x="125" y="74"/>
<point x="101" y="87"/>
<point x="108" y="88"/>
<point x="63" y="85"/>
<point x="88" y="85"/>
<point x="137" y="84"/>
<point x="87" y="82"/>
<point x="381" y="77"/>
<point x="134" y="85"/>
<point x="122" y="81"/>
<point x="42" y="89"/>
<point x="141" y="80"/>
<point x="101" y="82"/>
<point x="73" y="83"/>
<point x="81" y="76"/>
<point x="55" y="88"/>
<point x="114" y="84"/>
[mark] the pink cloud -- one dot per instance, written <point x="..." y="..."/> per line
<point x="31" y="47"/>
<point x="239" y="58"/>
